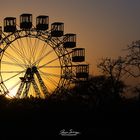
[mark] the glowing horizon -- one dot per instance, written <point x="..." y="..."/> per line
<point x="103" y="28"/>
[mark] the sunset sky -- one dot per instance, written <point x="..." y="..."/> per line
<point x="103" y="27"/>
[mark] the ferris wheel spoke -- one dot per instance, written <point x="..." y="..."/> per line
<point x="42" y="52"/>
<point x="14" y="49"/>
<point x="14" y="64"/>
<point x="45" y="55"/>
<point x="13" y="76"/>
<point x="51" y="67"/>
<point x="29" y="50"/>
<point x="21" y="48"/>
<point x="15" y="85"/>
<point x="48" y="62"/>
<point x="25" y="50"/>
<point x="31" y="44"/>
<point x="17" y="51"/>
<point x="53" y="82"/>
<point x="12" y="58"/>
<point x="10" y="71"/>
<point x="20" y="44"/>
<point x="50" y="74"/>
<point x="40" y="59"/>
<point x="35" y="47"/>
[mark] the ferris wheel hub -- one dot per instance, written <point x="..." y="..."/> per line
<point x="31" y="70"/>
<point x="34" y="69"/>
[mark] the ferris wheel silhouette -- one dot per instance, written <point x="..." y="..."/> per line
<point x="38" y="61"/>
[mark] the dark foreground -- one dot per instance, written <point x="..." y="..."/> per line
<point x="41" y="118"/>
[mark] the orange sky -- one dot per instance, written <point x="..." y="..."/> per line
<point x="103" y="27"/>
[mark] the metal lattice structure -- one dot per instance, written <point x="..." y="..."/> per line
<point x="38" y="61"/>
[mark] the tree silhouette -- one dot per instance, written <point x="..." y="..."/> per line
<point x="113" y="68"/>
<point x="106" y="89"/>
<point x="133" y="59"/>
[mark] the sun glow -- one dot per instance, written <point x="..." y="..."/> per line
<point x="26" y="53"/>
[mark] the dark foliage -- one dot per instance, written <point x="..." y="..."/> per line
<point x="39" y="117"/>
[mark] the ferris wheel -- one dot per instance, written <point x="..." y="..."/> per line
<point x="38" y="61"/>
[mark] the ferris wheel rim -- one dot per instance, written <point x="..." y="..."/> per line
<point x="62" y="79"/>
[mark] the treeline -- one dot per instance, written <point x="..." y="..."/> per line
<point x="93" y="108"/>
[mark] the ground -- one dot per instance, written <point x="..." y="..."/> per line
<point x="48" y="118"/>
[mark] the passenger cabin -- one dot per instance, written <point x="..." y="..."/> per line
<point x="42" y="22"/>
<point x="78" y="55"/>
<point x="57" y="29"/>
<point x="9" y="24"/>
<point x="26" y="21"/>
<point x="70" y="40"/>
<point x="82" y="71"/>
